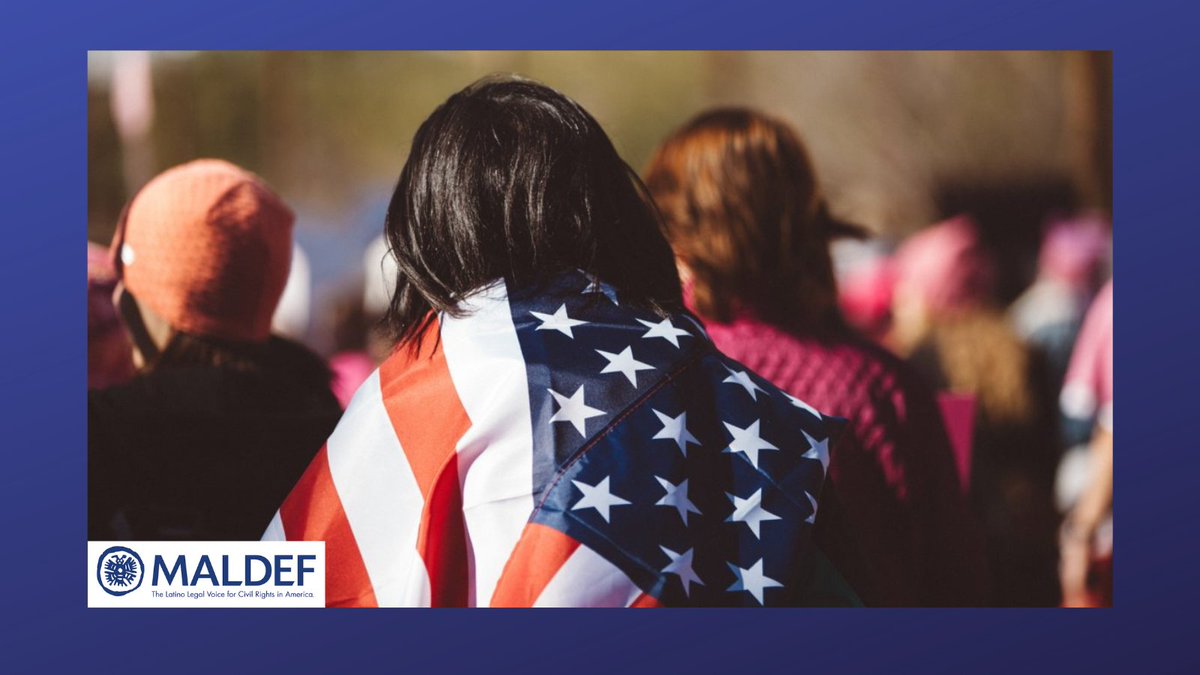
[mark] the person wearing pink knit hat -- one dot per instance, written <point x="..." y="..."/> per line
<point x="205" y="248"/>
<point x="222" y="417"/>
<point x="1049" y="314"/>
<point x="948" y="325"/>
<point x="1087" y="532"/>
<point x="941" y="270"/>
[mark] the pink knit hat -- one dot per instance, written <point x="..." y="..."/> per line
<point x="947" y="266"/>
<point x="1074" y="249"/>
<point x="865" y="294"/>
<point x="207" y="247"/>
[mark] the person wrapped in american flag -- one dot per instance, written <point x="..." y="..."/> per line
<point x="553" y="428"/>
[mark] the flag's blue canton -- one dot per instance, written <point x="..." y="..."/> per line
<point x="699" y="482"/>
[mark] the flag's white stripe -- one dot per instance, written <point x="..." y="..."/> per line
<point x="380" y="497"/>
<point x="586" y="579"/>
<point x="495" y="456"/>
<point x="274" y="530"/>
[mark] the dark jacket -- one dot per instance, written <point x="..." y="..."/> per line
<point x="1014" y="450"/>
<point x="204" y="452"/>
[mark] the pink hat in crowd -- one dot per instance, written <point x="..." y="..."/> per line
<point x="1074" y="249"/>
<point x="946" y="266"/>
<point x="207" y="246"/>
<point x="865" y="294"/>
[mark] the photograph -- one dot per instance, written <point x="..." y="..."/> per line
<point x="598" y="329"/>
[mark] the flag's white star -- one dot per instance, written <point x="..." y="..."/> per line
<point x="818" y="450"/>
<point x="681" y="566"/>
<point x="573" y="410"/>
<point x="675" y="429"/>
<point x="752" y="580"/>
<point x="597" y="497"/>
<point x="624" y="363"/>
<point x="812" y="501"/>
<point x="747" y="441"/>
<point x="804" y="406"/>
<point x="597" y="286"/>
<point x="676" y="498"/>
<point x="558" y="321"/>
<point x="742" y="379"/>
<point x="665" y="330"/>
<point x="750" y="511"/>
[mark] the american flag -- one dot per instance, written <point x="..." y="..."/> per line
<point x="559" y="448"/>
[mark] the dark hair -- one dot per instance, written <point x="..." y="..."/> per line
<point x="745" y="213"/>
<point x="509" y="179"/>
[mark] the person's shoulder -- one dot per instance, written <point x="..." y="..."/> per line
<point x="883" y="377"/>
<point x="735" y="387"/>
<point x="877" y="359"/>
<point x="153" y="391"/>
<point x="859" y="361"/>
<point x="300" y="373"/>
<point x="149" y="404"/>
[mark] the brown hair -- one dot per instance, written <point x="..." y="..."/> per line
<point x="978" y="354"/>
<point x="743" y="210"/>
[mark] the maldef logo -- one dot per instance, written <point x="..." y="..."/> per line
<point x="119" y="570"/>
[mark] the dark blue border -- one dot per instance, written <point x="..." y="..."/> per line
<point x="42" y="480"/>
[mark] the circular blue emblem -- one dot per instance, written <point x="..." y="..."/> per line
<point x="119" y="570"/>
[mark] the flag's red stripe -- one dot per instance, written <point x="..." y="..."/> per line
<point x="313" y="512"/>
<point x="645" y="601"/>
<point x="429" y="419"/>
<point x="538" y="556"/>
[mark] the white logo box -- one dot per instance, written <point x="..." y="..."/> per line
<point x="206" y="574"/>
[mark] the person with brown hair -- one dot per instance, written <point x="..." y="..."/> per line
<point x="751" y="230"/>
<point x="949" y="329"/>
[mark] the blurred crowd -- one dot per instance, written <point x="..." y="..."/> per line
<point x="977" y="464"/>
<point x="1025" y="390"/>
